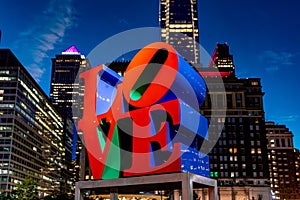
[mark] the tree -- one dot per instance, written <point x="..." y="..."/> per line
<point x="5" y="196"/>
<point x="27" y="189"/>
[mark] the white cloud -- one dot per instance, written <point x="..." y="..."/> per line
<point x="46" y="31"/>
<point x="272" y="68"/>
<point x="36" y="71"/>
<point x="276" y="59"/>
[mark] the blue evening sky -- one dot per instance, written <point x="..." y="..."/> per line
<point x="263" y="37"/>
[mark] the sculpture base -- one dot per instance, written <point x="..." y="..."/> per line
<point x="183" y="183"/>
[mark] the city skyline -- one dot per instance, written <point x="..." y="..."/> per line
<point x="262" y="37"/>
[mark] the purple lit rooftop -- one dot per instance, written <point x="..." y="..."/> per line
<point x="71" y="50"/>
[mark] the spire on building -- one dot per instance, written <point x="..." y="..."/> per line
<point x="72" y="50"/>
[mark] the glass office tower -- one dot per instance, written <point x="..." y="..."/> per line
<point x="31" y="132"/>
<point x="179" y="27"/>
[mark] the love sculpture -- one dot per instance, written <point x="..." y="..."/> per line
<point x="148" y="121"/>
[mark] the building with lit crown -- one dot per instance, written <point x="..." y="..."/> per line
<point x="31" y="132"/>
<point x="179" y="27"/>
<point x="64" y="90"/>
<point x="66" y="94"/>
<point x="222" y="59"/>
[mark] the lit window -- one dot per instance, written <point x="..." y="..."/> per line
<point x="259" y="150"/>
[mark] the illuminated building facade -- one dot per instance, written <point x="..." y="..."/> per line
<point x="238" y="158"/>
<point x="66" y="94"/>
<point x="64" y="90"/>
<point x="283" y="162"/>
<point x="179" y="27"/>
<point x="31" y="132"/>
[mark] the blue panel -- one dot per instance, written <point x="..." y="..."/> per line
<point x="192" y="120"/>
<point x="192" y="127"/>
<point x="189" y="86"/>
<point x="74" y="142"/>
<point x="110" y="76"/>
<point x="194" y="161"/>
<point x="106" y="89"/>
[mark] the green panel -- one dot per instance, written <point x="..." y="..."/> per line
<point x="136" y="94"/>
<point x="101" y="139"/>
<point x="112" y="165"/>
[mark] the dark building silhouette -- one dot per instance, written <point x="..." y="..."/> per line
<point x="222" y="59"/>
<point x="118" y="66"/>
<point x="283" y="162"/>
<point x="179" y="27"/>
<point x="238" y="159"/>
<point x="31" y="132"/>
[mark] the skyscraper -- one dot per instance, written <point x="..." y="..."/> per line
<point x="64" y="90"/>
<point x="31" y="132"/>
<point x="179" y="27"/>
<point x="66" y="94"/>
